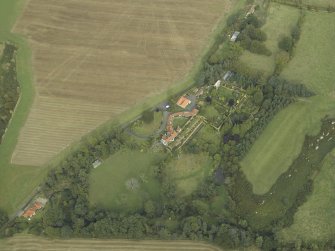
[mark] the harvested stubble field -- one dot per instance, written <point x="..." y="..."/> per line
<point x="32" y="243"/>
<point x="95" y="59"/>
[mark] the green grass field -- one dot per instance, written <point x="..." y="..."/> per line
<point x="261" y="211"/>
<point x="279" y="145"/>
<point x="323" y="3"/>
<point x="189" y="170"/>
<point x="150" y="128"/>
<point x="125" y="181"/>
<point x="280" y="21"/>
<point x="315" y="219"/>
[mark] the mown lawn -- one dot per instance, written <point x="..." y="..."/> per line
<point x="148" y="128"/>
<point x="280" y="143"/>
<point x="125" y="181"/>
<point x="280" y="21"/>
<point x="315" y="219"/>
<point x="189" y="170"/>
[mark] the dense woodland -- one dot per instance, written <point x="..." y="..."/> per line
<point x="9" y="86"/>
<point x="69" y="214"/>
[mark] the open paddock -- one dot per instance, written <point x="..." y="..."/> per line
<point x="279" y="22"/>
<point x="189" y="170"/>
<point x="125" y="181"/>
<point x="280" y="143"/>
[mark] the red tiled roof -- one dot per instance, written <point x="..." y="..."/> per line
<point x="32" y="210"/>
<point x="183" y="102"/>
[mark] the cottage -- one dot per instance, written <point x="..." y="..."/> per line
<point x="167" y="139"/>
<point x="30" y="211"/>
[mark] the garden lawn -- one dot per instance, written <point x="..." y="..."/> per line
<point x="110" y="182"/>
<point x="149" y="128"/>
<point x="189" y="170"/>
<point x="280" y="21"/>
<point x="280" y="143"/>
<point x="315" y="219"/>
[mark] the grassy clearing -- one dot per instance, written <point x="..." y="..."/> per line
<point x="279" y="145"/>
<point x="189" y="170"/>
<point x="150" y="128"/>
<point x="280" y="21"/>
<point x="308" y="223"/>
<point x="33" y="243"/>
<point x="125" y="181"/>
<point x="123" y="52"/>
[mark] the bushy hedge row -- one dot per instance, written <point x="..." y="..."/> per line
<point x="9" y="86"/>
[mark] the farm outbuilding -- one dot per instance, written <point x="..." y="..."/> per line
<point x="183" y="102"/>
<point x="227" y="75"/>
<point x="217" y="84"/>
<point x="96" y="163"/>
<point x="234" y="36"/>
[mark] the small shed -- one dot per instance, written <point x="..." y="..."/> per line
<point x="96" y="163"/>
<point x="217" y="84"/>
<point x="234" y="36"/>
<point x="227" y="75"/>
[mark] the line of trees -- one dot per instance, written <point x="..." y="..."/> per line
<point x="287" y="44"/>
<point x="9" y="86"/>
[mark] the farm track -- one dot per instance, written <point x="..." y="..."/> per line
<point x="32" y="243"/>
<point x="94" y="60"/>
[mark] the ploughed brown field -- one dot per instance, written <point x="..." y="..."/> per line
<point x="94" y="59"/>
<point x="31" y="243"/>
